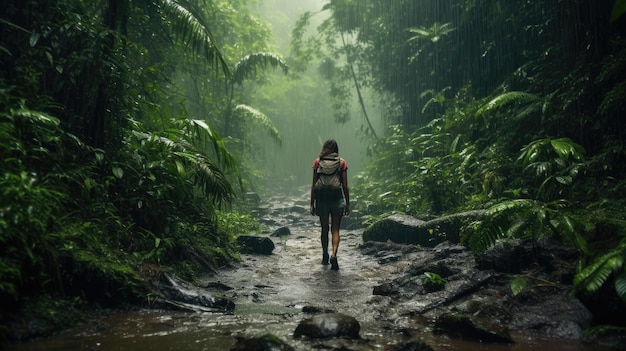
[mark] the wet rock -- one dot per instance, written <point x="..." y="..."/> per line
<point x="316" y="310"/>
<point x="410" y="230"/>
<point x="219" y="286"/>
<point x="447" y="249"/>
<point x="551" y="312"/>
<point x="379" y="249"/>
<point x="411" y="346"/>
<point x="328" y="325"/>
<point x="399" y="229"/>
<point x="267" y="220"/>
<point x="183" y="296"/>
<point x="259" y="245"/>
<point x="458" y="287"/>
<point x="394" y="257"/>
<point x="282" y="231"/>
<point x="267" y="342"/>
<point x="473" y="328"/>
<point x="385" y="289"/>
<point x="511" y="256"/>
<point x="299" y="209"/>
<point x="515" y="256"/>
<point x="489" y="306"/>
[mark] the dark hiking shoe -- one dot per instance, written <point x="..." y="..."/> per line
<point x="325" y="259"/>
<point x="333" y="264"/>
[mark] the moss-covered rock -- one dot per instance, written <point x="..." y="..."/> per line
<point x="410" y="230"/>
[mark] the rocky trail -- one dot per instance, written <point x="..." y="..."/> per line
<point x="402" y="297"/>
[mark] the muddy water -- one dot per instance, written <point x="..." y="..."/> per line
<point x="269" y="292"/>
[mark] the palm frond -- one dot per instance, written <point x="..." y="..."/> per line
<point x="434" y="33"/>
<point x="620" y="285"/>
<point x="207" y="176"/>
<point x="567" y="149"/>
<point x="186" y="143"/>
<point x="193" y="33"/>
<point x="481" y="235"/>
<point x="569" y="228"/>
<point x="260" y="119"/>
<point x="594" y="276"/>
<point x="35" y="116"/>
<point x="509" y="206"/>
<point x="505" y="99"/>
<point x="249" y="65"/>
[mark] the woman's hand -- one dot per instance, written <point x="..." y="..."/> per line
<point x="346" y="210"/>
<point x="312" y="210"/>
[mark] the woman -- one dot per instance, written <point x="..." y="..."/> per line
<point x="330" y="197"/>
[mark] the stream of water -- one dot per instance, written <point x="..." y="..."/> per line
<point x="269" y="292"/>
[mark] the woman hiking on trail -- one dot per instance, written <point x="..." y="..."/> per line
<point x="330" y="196"/>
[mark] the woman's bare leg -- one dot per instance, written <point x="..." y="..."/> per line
<point x="335" y="223"/>
<point x="324" y="236"/>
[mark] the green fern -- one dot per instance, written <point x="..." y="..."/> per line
<point x="524" y="218"/>
<point x="505" y="99"/>
<point x="436" y="97"/>
<point x="261" y="120"/>
<point x="591" y="278"/>
<point x="193" y="33"/>
<point x="567" y="149"/>
<point x="554" y="162"/>
<point x="248" y="66"/>
<point x="434" y="33"/>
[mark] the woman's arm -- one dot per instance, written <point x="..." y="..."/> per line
<point x="346" y="191"/>
<point x="312" y="207"/>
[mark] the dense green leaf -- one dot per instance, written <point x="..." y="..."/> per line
<point x="518" y="284"/>
<point x="505" y="99"/>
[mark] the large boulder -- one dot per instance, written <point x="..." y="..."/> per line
<point x="398" y="229"/>
<point x="258" y="245"/>
<point x="406" y="229"/>
<point x="328" y="325"/>
<point x="550" y="311"/>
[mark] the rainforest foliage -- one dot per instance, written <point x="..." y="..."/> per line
<point x="513" y="107"/>
<point x="128" y="127"/>
<point x="119" y="122"/>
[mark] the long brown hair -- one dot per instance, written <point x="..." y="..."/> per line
<point x="329" y="147"/>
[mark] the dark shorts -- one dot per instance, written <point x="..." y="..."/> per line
<point x="324" y="207"/>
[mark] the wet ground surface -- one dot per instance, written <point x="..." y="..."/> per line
<point x="270" y="293"/>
